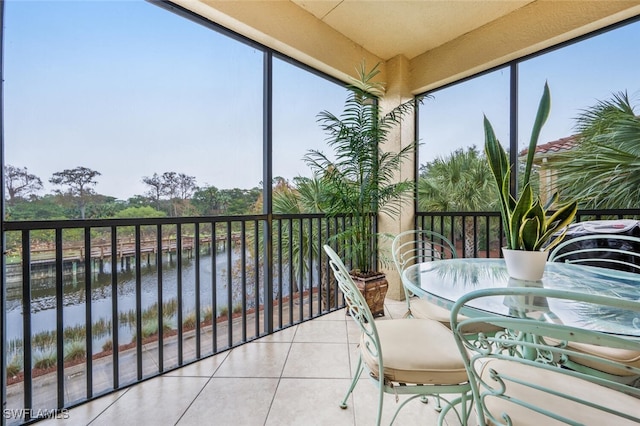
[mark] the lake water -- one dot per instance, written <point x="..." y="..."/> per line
<point x="43" y="305"/>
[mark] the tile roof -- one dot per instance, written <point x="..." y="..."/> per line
<point x="563" y="144"/>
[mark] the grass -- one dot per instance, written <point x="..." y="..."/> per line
<point x="150" y="329"/>
<point x="189" y="321"/>
<point x="45" y="359"/>
<point x="169" y="308"/>
<point x="14" y="367"/>
<point x="75" y="350"/>
<point x="44" y="343"/>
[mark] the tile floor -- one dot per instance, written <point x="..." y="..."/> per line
<point x="297" y="376"/>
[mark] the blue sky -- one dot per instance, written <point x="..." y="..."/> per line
<point x="121" y="87"/>
<point x="129" y="89"/>
<point x="578" y="76"/>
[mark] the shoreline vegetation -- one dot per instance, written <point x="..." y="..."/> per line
<point x="45" y="342"/>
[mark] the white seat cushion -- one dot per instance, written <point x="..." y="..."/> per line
<point x="421" y="308"/>
<point x="416" y="351"/>
<point x="562" y="383"/>
<point x="624" y="356"/>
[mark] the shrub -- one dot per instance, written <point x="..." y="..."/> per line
<point x="44" y="359"/>
<point x="75" y="350"/>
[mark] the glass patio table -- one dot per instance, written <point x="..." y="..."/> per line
<point x="443" y="281"/>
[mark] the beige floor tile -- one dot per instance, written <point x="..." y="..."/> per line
<point x="255" y="359"/>
<point x="395" y="308"/>
<point x="160" y="401"/>
<point x="310" y="402"/>
<point x="353" y="332"/>
<point x="365" y="405"/>
<point x="321" y="332"/>
<point x="321" y="360"/>
<point x="334" y="316"/>
<point x="285" y="335"/>
<point x="232" y="401"/>
<point x="85" y="413"/>
<point x="205" y="368"/>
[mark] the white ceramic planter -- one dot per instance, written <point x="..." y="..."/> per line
<point x="525" y="265"/>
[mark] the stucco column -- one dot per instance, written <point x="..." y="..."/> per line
<point x="397" y="91"/>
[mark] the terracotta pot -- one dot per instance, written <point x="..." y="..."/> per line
<point x="525" y="265"/>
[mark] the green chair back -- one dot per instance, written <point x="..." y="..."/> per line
<point x="521" y="376"/>
<point x="416" y="246"/>
<point x="613" y="251"/>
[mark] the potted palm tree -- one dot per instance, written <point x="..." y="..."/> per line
<point x="359" y="179"/>
<point x="531" y="229"/>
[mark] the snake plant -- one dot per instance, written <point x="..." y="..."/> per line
<point x="527" y="223"/>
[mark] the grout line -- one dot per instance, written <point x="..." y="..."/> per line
<point x="194" y="399"/>
<point x="284" y="365"/>
<point x="126" y="390"/>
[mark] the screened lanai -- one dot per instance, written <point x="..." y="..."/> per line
<point x="228" y="92"/>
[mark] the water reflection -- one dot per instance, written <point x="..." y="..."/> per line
<point x="468" y="273"/>
<point x="43" y="296"/>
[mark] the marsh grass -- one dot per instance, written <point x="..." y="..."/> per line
<point x="75" y="350"/>
<point x="107" y="346"/>
<point x="14" y="367"/>
<point x="45" y="358"/>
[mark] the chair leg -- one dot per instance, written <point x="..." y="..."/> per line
<point x="423" y="398"/>
<point x="356" y="377"/>
<point x="380" y="402"/>
<point x="465" y="401"/>
<point x="438" y="404"/>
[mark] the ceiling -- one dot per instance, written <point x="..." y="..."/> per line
<point x="424" y="44"/>
<point x="409" y="28"/>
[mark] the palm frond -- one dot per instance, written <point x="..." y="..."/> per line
<point x="604" y="170"/>
<point x="361" y="179"/>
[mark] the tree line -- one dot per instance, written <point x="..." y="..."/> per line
<point x="168" y="194"/>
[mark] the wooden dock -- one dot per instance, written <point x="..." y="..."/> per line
<point x="43" y="255"/>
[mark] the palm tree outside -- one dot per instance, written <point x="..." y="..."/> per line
<point x="603" y="171"/>
<point x="460" y="182"/>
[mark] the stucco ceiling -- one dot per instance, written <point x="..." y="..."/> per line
<point x="429" y="42"/>
<point x="410" y="28"/>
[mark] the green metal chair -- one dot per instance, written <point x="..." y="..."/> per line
<point x="613" y="251"/>
<point x="416" y="246"/>
<point x="415" y="357"/>
<point x="520" y="376"/>
<point x="609" y="252"/>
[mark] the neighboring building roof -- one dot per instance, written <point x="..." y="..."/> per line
<point x="563" y="144"/>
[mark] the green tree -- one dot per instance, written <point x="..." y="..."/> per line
<point x="79" y="183"/>
<point x="208" y="200"/>
<point x="20" y="183"/>
<point x="603" y="171"/>
<point x="136" y="212"/>
<point x="102" y="207"/>
<point x="460" y="182"/>
<point x="141" y="201"/>
<point x="304" y="196"/>
<point x="176" y="187"/>
<point x="156" y="188"/>
<point x="179" y="187"/>
<point x="43" y="208"/>
<point x="238" y="201"/>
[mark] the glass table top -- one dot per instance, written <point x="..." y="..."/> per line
<point x="444" y="281"/>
